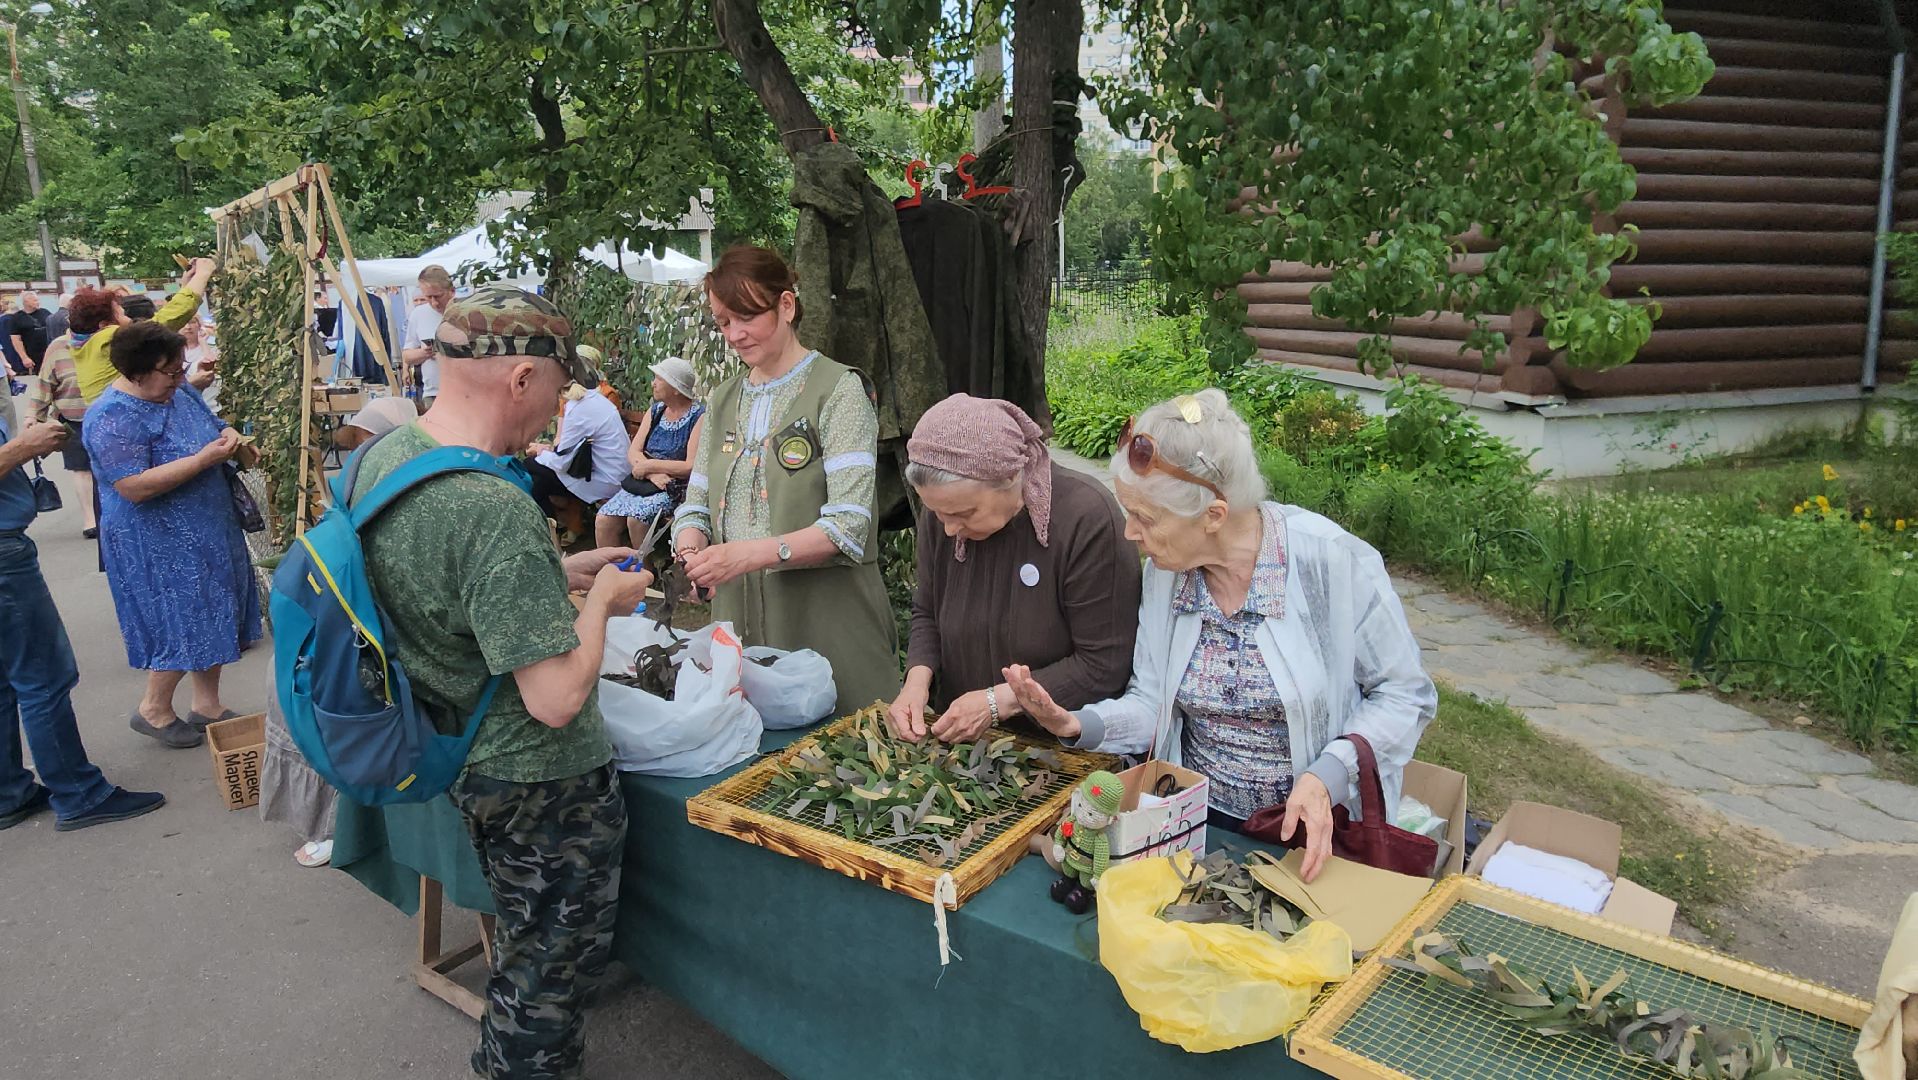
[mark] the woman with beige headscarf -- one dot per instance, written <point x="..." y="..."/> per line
<point x="1021" y="561"/>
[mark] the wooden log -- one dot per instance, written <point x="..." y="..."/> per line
<point x="1905" y="204"/>
<point x="1867" y="54"/>
<point x="1298" y="271"/>
<point x="1739" y="24"/>
<point x="1679" y="214"/>
<point x="1757" y="309"/>
<point x="1444" y="326"/>
<point x="1740" y="342"/>
<point x="1725" y="109"/>
<point x="1694" y="279"/>
<point x="1276" y="292"/>
<point x="1716" y="245"/>
<point x="1424" y="351"/>
<point x="1655" y="130"/>
<point x="1710" y="375"/>
<point x="1752" y="162"/>
<point x="1901" y="351"/>
<point x="1710" y="188"/>
<point x="1769" y="82"/>
<point x="1481" y="382"/>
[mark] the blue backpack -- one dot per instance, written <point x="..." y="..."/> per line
<point x="349" y="705"/>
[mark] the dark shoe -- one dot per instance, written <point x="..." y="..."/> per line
<point x="91" y="533"/>
<point x="178" y="735"/>
<point x="1079" y="900"/>
<point x="199" y="722"/>
<point x="1061" y="888"/>
<point x="119" y="806"/>
<point x="40" y="801"/>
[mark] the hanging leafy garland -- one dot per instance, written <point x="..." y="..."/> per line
<point x="638" y="324"/>
<point x="261" y="309"/>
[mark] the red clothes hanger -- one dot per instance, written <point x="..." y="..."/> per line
<point x="973" y="190"/>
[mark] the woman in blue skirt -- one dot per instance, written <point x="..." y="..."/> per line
<point x="664" y="449"/>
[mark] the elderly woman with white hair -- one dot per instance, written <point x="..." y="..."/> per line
<point x="1267" y="633"/>
<point x="1019" y="560"/>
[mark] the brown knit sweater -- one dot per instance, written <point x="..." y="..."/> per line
<point x="1074" y="626"/>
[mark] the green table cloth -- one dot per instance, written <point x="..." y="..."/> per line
<point x="821" y="975"/>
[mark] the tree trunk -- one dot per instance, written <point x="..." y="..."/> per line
<point x="743" y="31"/>
<point x="1045" y="41"/>
<point x="552" y="139"/>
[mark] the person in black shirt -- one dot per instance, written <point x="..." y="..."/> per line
<point x="26" y="331"/>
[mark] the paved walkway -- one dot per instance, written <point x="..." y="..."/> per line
<point x="1788" y="784"/>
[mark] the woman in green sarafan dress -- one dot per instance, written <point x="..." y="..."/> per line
<point x="778" y="517"/>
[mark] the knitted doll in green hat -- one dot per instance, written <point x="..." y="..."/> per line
<point x="1079" y="843"/>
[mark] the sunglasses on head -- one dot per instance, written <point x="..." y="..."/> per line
<point x="1144" y="457"/>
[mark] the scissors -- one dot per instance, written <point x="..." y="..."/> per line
<point x="634" y="561"/>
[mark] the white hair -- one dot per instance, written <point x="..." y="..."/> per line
<point x="926" y="476"/>
<point x="1217" y="447"/>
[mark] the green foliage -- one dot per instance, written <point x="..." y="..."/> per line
<point x="1901" y="251"/>
<point x="1816" y="596"/>
<point x="1404" y="124"/>
<point x="1111" y="211"/>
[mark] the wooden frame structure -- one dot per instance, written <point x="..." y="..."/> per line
<point x="304" y="198"/>
<point x="433" y="971"/>
<point x="1316" y="1041"/>
<point x="724" y="808"/>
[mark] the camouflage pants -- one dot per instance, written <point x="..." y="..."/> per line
<point x="551" y="852"/>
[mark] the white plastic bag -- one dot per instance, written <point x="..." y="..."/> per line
<point x="625" y="636"/>
<point x="795" y="690"/>
<point x="708" y="727"/>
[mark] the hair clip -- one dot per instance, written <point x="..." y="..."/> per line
<point x="1189" y="408"/>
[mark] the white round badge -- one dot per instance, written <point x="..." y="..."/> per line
<point x="1029" y="574"/>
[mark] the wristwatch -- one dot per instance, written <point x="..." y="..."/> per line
<point x="785" y="553"/>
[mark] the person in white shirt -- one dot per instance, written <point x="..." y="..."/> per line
<point x="436" y="291"/>
<point x="587" y="458"/>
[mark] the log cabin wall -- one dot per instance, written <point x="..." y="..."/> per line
<point x="1756" y="211"/>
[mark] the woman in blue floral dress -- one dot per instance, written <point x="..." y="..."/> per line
<point x="664" y="449"/>
<point x="175" y="555"/>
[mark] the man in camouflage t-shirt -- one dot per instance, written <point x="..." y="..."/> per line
<point x="467" y="575"/>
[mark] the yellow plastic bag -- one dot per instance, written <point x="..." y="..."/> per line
<point x="1205" y="987"/>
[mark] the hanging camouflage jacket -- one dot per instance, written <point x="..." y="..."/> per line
<point x="861" y="305"/>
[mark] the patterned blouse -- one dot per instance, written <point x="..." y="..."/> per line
<point x="1235" y="728"/>
<point x="848" y="431"/>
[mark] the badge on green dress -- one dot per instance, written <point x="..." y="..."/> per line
<point x="796" y="445"/>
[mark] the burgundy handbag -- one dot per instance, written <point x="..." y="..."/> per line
<point x="1372" y="841"/>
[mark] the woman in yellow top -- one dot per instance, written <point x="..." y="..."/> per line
<point x="94" y="315"/>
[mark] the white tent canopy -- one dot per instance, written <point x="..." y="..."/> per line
<point x="473" y="250"/>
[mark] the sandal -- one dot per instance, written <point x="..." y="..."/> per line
<point x="314" y="854"/>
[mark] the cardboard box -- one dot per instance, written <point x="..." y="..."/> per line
<point x="338" y="400"/>
<point x="1592" y="841"/>
<point x="1158" y="831"/>
<point x="237" y="746"/>
<point x="1443" y="790"/>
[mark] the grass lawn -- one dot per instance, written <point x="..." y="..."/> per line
<point x="1506" y="760"/>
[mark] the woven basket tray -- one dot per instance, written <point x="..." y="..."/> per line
<point x="1383" y="1022"/>
<point x="741" y="807"/>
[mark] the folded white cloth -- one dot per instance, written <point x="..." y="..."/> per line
<point x="1552" y="878"/>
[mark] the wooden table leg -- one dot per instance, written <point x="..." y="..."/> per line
<point x="433" y="969"/>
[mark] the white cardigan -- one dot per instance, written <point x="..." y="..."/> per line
<point x="1342" y="656"/>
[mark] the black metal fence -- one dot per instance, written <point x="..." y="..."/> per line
<point x="1124" y="288"/>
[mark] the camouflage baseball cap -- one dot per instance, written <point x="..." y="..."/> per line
<point x="504" y="320"/>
